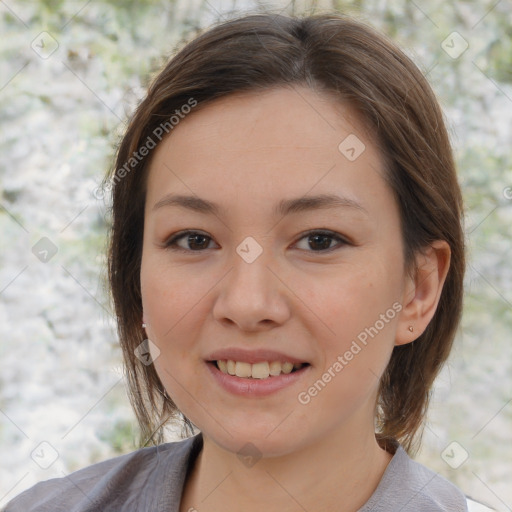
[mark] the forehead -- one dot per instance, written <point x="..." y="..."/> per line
<point x="277" y="117"/>
<point x="283" y="141"/>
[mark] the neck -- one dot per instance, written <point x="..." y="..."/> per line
<point x="335" y="473"/>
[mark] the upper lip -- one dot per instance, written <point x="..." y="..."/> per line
<point x="251" y="356"/>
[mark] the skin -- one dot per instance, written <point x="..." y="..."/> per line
<point x="247" y="152"/>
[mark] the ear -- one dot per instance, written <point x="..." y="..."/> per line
<point x="422" y="291"/>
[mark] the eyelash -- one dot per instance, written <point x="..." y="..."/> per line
<point x="171" y="242"/>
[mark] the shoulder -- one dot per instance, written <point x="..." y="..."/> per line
<point x="411" y="487"/>
<point x="144" y="479"/>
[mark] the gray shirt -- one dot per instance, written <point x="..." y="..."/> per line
<point x="152" y="479"/>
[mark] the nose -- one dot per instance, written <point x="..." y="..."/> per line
<point x="253" y="296"/>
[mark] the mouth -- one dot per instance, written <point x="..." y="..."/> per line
<point x="260" y="370"/>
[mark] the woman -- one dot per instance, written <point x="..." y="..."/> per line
<point x="286" y="263"/>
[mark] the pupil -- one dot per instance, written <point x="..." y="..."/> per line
<point x="326" y="239"/>
<point x="193" y="238"/>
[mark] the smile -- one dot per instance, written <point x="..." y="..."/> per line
<point x="258" y="379"/>
<point x="261" y="370"/>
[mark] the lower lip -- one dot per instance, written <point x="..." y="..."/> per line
<point x="255" y="387"/>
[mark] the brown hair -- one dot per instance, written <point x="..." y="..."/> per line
<point x="343" y="57"/>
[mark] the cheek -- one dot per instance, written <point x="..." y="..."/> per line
<point x="168" y="296"/>
<point x="349" y="300"/>
<point x="173" y="301"/>
<point x="353" y="353"/>
<point x="170" y="301"/>
<point x="356" y="333"/>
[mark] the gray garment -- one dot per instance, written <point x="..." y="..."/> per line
<point x="152" y="479"/>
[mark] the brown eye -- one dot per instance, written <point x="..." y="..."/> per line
<point x="193" y="241"/>
<point x="321" y="241"/>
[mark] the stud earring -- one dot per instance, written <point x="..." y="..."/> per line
<point x="411" y="328"/>
<point x="143" y="325"/>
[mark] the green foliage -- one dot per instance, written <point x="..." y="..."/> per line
<point x="499" y="55"/>
<point x="121" y="437"/>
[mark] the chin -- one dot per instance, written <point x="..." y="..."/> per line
<point x="258" y="440"/>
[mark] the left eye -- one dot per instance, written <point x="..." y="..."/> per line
<point x="323" y="239"/>
<point x="319" y="241"/>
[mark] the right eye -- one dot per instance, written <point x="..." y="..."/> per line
<point x="191" y="239"/>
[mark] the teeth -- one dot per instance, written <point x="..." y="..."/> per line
<point x="287" y="367"/>
<point x="257" y="370"/>
<point x="231" y="367"/>
<point x="243" y="369"/>
<point x="260" y="370"/>
<point x="275" y="368"/>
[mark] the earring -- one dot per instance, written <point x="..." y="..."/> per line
<point x="411" y="328"/>
<point x="143" y="325"/>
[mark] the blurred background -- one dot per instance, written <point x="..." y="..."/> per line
<point x="71" y="72"/>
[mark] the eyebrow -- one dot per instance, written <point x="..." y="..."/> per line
<point x="284" y="207"/>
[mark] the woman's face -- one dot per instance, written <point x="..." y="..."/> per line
<point x="295" y="256"/>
